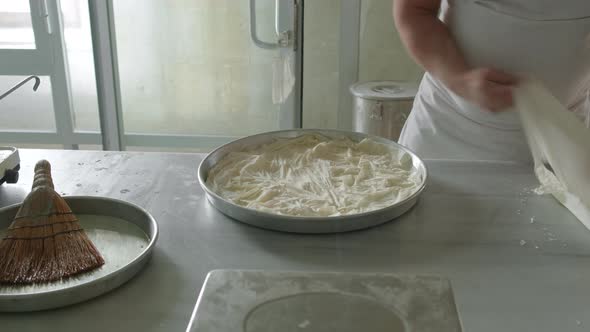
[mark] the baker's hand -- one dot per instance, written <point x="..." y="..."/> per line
<point x="486" y="87"/>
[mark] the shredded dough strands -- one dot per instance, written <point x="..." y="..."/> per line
<point x="315" y="176"/>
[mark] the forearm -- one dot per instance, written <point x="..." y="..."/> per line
<point x="428" y="40"/>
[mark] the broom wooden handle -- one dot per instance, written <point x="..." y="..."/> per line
<point x="42" y="175"/>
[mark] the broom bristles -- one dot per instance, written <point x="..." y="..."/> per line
<point x="45" y="241"/>
<point x="46" y="253"/>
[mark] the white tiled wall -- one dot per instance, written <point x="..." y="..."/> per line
<point x="381" y="56"/>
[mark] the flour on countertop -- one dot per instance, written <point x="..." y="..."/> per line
<point x="316" y="176"/>
<point x="549" y="183"/>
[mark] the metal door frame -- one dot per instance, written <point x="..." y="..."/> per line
<point x="350" y="26"/>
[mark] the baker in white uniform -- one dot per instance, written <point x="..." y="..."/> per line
<point x="474" y="53"/>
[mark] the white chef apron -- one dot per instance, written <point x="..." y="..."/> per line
<point x="547" y="39"/>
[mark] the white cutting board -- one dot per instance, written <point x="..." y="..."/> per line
<point x="274" y="301"/>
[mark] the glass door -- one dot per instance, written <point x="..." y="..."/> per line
<point x="31" y="43"/>
<point x="187" y="74"/>
<point x="196" y="74"/>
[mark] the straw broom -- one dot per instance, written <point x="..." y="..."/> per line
<point x="45" y="241"/>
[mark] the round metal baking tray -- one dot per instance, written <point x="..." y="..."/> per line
<point x="59" y="294"/>
<point x="296" y="224"/>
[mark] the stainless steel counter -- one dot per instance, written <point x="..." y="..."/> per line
<point x="473" y="225"/>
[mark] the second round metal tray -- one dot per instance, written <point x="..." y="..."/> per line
<point x="296" y="224"/>
<point x="133" y="233"/>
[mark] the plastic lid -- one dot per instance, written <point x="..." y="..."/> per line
<point x="384" y="90"/>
